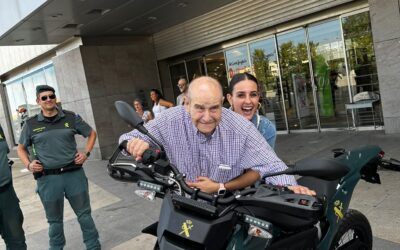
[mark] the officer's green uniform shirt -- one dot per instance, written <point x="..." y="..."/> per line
<point x="54" y="142"/>
<point x="5" y="173"/>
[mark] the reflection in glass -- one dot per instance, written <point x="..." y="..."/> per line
<point x="215" y="64"/>
<point x="50" y="76"/>
<point x="237" y="61"/>
<point x="297" y="88"/>
<point x="362" y="65"/>
<point x="21" y="93"/>
<point x="195" y="68"/>
<point x="177" y="71"/>
<point x="265" y="68"/>
<point x="327" y="53"/>
<point x="16" y="101"/>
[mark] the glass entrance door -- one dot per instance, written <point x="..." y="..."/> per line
<point x="327" y="56"/>
<point x="216" y="68"/>
<point x="265" y="68"/>
<point x="296" y="82"/>
<point x="363" y="75"/>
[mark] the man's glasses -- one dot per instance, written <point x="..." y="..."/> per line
<point x="45" y="97"/>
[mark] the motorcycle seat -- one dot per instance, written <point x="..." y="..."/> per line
<point x="323" y="188"/>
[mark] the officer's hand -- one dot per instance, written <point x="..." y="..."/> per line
<point x="204" y="184"/>
<point x="80" y="158"/>
<point x="35" y="166"/>
<point x="302" y="190"/>
<point x="136" y="148"/>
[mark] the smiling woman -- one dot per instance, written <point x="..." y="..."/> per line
<point x="244" y="99"/>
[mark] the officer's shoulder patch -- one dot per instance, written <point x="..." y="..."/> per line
<point x="68" y="112"/>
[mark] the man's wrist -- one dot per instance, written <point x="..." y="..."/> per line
<point x="87" y="153"/>
<point x="28" y="165"/>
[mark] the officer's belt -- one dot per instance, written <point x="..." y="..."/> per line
<point x="5" y="187"/>
<point x="68" y="168"/>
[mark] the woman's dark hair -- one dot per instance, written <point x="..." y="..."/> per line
<point x="158" y="93"/>
<point x="241" y="77"/>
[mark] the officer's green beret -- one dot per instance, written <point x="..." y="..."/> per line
<point x="43" y="88"/>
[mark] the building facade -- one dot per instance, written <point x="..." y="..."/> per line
<point x="323" y="65"/>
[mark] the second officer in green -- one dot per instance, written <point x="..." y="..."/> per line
<point x="57" y="165"/>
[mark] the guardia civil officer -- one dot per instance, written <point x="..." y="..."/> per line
<point x="11" y="217"/>
<point x="57" y="165"/>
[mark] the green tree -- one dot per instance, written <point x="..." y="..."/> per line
<point x="261" y="68"/>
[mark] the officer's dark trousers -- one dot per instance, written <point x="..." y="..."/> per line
<point x="11" y="219"/>
<point x="74" y="186"/>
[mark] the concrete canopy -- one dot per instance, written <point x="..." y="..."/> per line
<point x="54" y="21"/>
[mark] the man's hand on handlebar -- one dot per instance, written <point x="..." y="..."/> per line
<point x="136" y="148"/>
<point x="204" y="184"/>
<point x="302" y="190"/>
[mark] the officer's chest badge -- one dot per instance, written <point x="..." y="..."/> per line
<point x="66" y="125"/>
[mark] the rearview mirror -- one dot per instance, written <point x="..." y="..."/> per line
<point x="129" y="115"/>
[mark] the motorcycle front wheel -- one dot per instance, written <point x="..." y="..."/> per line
<point x="354" y="232"/>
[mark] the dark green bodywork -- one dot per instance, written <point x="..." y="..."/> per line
<point x="355" y="159"/>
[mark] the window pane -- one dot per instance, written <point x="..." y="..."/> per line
<point x="237" y="61"/>
<point x="216" y="68"/>
<point x="265" y="68"/>
<point x="177" y="72"/>
<point x="296" y="82"/>
<point x="16" y="100"/>
<point x="195" y="68"/>
<point x="327" y="53"/>
<point x="362" y="65"/>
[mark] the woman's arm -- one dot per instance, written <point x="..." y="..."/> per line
<point x="165" y="103"/>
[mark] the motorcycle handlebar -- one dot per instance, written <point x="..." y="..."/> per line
<point x="154" y="155"/>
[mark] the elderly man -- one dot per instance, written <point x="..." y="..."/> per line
<point x="216" y="148"/>
<point x="183" y="87"/>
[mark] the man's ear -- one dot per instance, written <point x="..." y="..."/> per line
<point x="186" y="103"/>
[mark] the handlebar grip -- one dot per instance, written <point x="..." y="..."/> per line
<point x="151" y="155"/>
<point x="123" y="145"/>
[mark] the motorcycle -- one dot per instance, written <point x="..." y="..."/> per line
<point x="262" y="217"/>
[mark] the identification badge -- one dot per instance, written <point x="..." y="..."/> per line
<point x="224" y="167"/>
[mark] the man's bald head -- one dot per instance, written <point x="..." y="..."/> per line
<point x="205" y="85"/>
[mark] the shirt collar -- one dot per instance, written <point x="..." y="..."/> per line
<point x="60" y="114"/>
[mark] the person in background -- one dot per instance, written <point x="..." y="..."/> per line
<point x="146" y="115"/>
<point x="183" y="87"/>
<point x="244" y="97"/>
<point x="57" y="166"/>
<point x="159" y="103"/>
<point x="11" y="217"/>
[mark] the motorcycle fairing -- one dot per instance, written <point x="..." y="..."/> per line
<point x="181" y="229"/>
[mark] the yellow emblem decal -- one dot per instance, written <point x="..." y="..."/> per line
<point x="1" y="137"/>
<point x="338" y="210"/>
<point x="186" y="227"/>
<point x="66" y="125"/>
